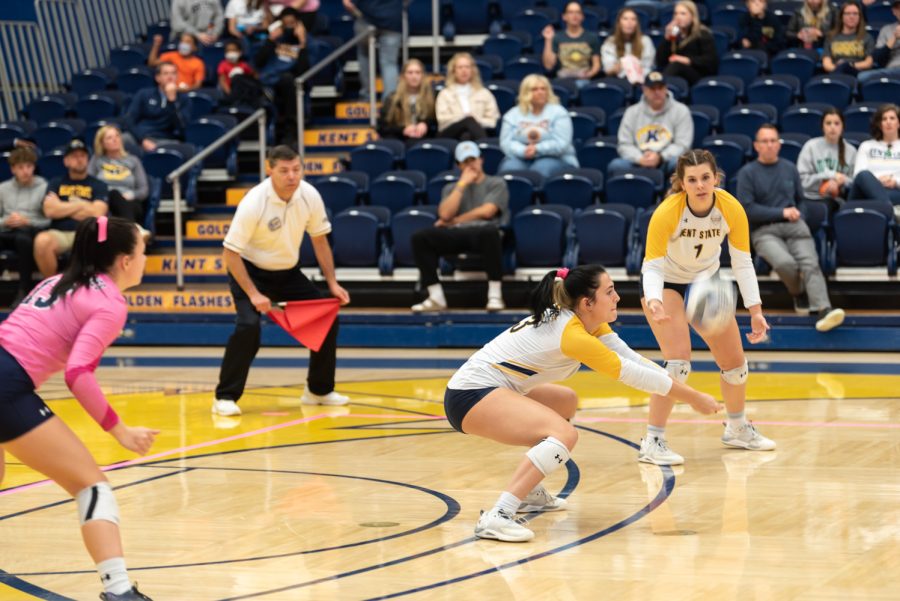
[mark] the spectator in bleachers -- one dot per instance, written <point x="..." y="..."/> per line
<point x="408" y="113"/>
<point x="237" y="79"/>
<point x="771" y="192"/>
<point x="202" y="18"/>
<point x="826" y="163"/>
<point x="575" y="51"/>
<point x="123" y="175"/>
<point x="70" y="199"/>
<point x="628" y="53"/>
<point x="887" y="50"/>
<point x="21" y="217"/>
<point x="307" y="9"/>
<point x="465" y="108"/>
<point x="809" y="25"/>
<point x="385" y="15"/>
<point x="189" y="67"/>
<point x="282" y="58"/>
<point x="848" y="48"/>
<point x="760" y="29"/>
<point x="247" y="18"/>
<point x="688" y="49"/>
<point x="655" y="130"/>
<point x="876" y="174"/>
<point x="469" y="217"/>
<point x="159" y="114"/>
<point x="537" y="132"/>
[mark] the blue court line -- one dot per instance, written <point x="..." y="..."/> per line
<point x="450" y="364"/>
<point x="30" y="589"/>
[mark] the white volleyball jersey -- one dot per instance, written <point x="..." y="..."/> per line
<point x="683" y="247"/>
<point x="525" y="356"/>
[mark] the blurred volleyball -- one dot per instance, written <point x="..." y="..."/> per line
<point x="710" y="305"/>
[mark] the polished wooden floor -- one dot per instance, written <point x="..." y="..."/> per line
<point x="378" y="500"/>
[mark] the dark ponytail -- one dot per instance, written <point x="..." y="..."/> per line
<point x="562" y="289"/>
<point x="90" y="256"/>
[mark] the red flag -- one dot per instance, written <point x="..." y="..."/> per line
<point x="308" y="321"/>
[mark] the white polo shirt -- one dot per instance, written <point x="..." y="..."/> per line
<point x="268" y="231"/>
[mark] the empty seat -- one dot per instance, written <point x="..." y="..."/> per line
<point x="602" y="234"/>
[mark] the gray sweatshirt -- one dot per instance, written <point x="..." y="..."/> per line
<point x="124" y="174"/>
<point x="818" y="162"/>
<point x="197" y="16"/>
<point x="26" y="201"/>
<point x="669" y="132"/>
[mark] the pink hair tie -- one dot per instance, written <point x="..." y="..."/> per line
<point x="101" y="229"/>
<point x="562" y="272"/>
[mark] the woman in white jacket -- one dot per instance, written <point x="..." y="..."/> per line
<point x="465" y="108"/>
<point x="877" y="170"/>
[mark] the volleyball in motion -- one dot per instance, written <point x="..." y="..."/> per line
<point x="710" y="305"/>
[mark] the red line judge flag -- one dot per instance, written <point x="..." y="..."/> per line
<point x="308" y="321"/>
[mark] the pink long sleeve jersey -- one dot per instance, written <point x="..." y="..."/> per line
<point x="46" y="335"/>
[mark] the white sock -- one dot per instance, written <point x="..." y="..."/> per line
<point x="436" y="293"/>
<point x="509" y="503"/>
<point x="656" y="432"/>
<point x="114" y="576"/>
<point x="736" y="420"/>
<point x="494" y="289"/>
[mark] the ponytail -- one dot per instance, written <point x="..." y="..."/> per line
<point x="98" y="242"/>
<point x="562" y="289"/>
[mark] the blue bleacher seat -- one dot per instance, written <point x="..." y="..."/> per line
<point x="95" y="107"/>
<point x="541" y="237"/>
<point x="90" y="81"/>
<point x="728" y="14"/>
<point x="575" y="191"/>
<point x="504" y="95"/>
<point x="703" y="122"/>
<point x="608" y="93"/>
<point x="429" y="158"/>
<point x="46" y="108"/>
<point x="603" y="234"/>
<point x="720" y="92"/>
<point x="50" y="164"/>
<point x="858" y="117"/>
<point x="492" y="155"/>
<point x="613" y="121"/>
<point x="773" y="90"/>
<point x="791" y="145"/>
<point x="597" y="152"/>
<point x="470" y="16"/>
<point x="835" y="89"/>
<point x="134" y="79"/>
<point x="805" y="118"/>
<point x="595" y="176"/>
<point x="372" y="159"/>
<point x="531" y="21"/>
<point x="12" y="130"/>
<point x="403" y="225"/>
<point x="507" y="47"/>
<point x="740" y="64"/>
<point x="418" y="179"/>
<point x="638" y="191"/>
<point x="338" y="192"/>
<point x="794" y="62"/>
<point x="584" y="126"/>
<point x="53" y="135"/>
<point x="206" y="130"/>
<point x="521" y="191"/>
<point x="393" y="192"/>
<point x="127" y="56"/>
<point x="520" y="67"/>
<point x="730" y="156"/>
<point x="883" y="89"/>
<point x="879" y="12"/>
<point x="723" y="40"/>
<point x="876" y="248"/>
<point x="202" y="103"/>
<point x="160" y="163"/>
<point x="435" y="187"/>
<point x="743" y="120"/>
<point x="356" y="238"/>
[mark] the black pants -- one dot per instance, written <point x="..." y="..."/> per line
<point x="430" y="243"/>
<point x="243" y="344"/>
<point x="684" y="71"/>
<point x="21" y="240"/>
<point x="119" y="206"/>
<point x="465" y="129"/>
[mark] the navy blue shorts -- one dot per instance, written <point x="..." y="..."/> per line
<point x="457" y="403"/>
<point x="679" y="288"/>
<point x="21" y="410"/>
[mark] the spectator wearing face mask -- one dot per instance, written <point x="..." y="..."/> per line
<point x="189" y="66"/>
<point x="233" y="65"/>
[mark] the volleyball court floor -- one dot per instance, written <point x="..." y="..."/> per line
<point x="377" y="500"/>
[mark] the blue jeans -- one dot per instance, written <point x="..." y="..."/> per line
<point x="868" y="187"/>
<point x="389" y="43"/>
<point x="865" y="76"/>
<point x="546" y="166"/>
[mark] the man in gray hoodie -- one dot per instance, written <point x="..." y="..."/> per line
<point x="21" y="216"/>
<point x="203" y="19"/>
<point x="655" y="131"/>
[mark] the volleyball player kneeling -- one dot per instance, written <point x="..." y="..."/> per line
<point x="504" y="391"/>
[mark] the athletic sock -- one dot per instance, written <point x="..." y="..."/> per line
<point x="494" y="289"/>
<point x="656" y="432"/>
<point x="436" y="293"/>
<point x="509" y="503"/>
<point x="736" y="420"/>
<point x="114" y="576"/>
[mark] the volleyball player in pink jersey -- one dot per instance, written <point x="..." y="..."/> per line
<point x="66" y="323"/>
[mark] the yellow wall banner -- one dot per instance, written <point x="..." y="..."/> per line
<point x="213" y="229"/>
<point x="338" y="136"/>
<point x="353" y="110"/>
<point x="321" y="165"/>
<point x="234" y="196"/>
<point x="187" y="302"/>
<point x="193" y="265"/>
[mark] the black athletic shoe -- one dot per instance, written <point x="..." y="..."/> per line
<point x="133" y="595"/>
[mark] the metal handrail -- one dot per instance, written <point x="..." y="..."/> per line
<point x="175" y="177"/>
<point x="336" y="54"/>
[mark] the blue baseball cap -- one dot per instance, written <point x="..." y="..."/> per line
<point x="467" y="150"/>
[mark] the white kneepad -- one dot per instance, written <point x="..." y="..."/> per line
<point x="97" y="502"/>
<point x="548" y="455"/>
<point x="736" y="376"/>
<point x="678" y="369"/>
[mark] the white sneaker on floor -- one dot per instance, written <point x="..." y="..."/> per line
<point x="655" y="450"/>
<point x="746" y="437"/>
<point x="540" y="500"/>
<point x="832" y="319"/>
<point x="496" y="524"/>
<point x="225" y="407"/>
<point x="332" y="398"/>
<point x="495" y="304"/>
<point x="427" y="306"/>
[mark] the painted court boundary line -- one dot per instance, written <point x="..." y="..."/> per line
<point x="641" y="420"/>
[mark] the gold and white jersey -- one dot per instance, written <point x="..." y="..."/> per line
<point x="683" y="247"/>
<point x="525" y="356"/>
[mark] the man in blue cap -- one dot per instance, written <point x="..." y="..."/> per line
<point x="469" y="217"/>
